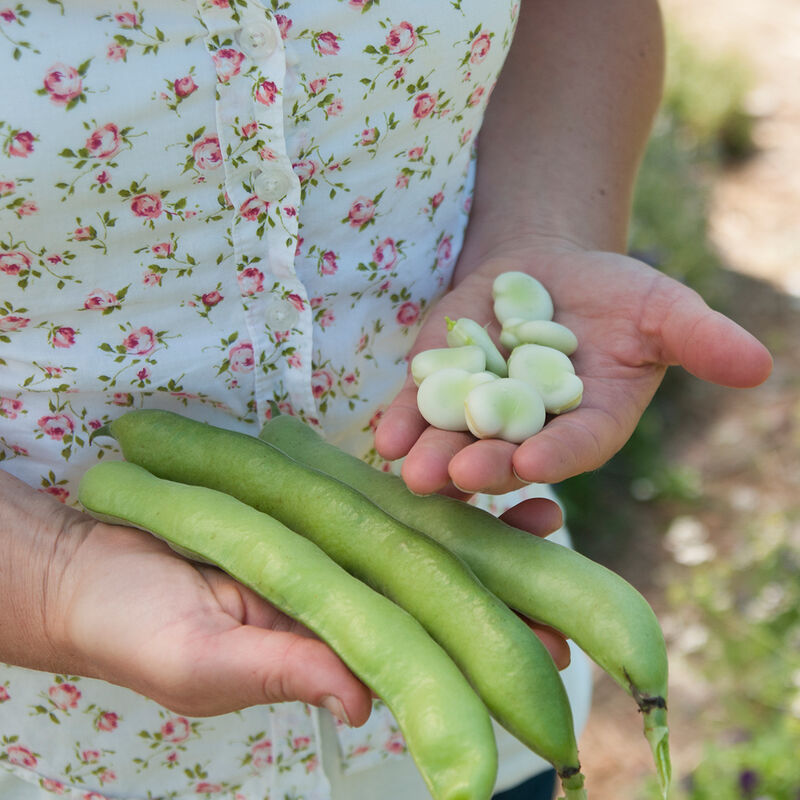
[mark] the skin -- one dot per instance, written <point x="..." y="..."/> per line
<point x="565" y="150"/>
<point x="478" y="631"/>
<point x="445" y="724"/>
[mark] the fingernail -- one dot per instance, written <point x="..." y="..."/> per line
<point x="334" y="705"/>
<point x="520" y="478"/>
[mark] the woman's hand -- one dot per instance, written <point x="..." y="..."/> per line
<point x="631" y="322"/>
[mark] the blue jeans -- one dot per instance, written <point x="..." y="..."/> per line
<point x="540" y="787"/>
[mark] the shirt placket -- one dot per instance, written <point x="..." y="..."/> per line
<point x="263" y="194"/>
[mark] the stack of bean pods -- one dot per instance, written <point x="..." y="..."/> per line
<point x="469" y="385"/>
<point x="418" y="593"/>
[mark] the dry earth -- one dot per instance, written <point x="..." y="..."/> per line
<point x="744" y="445"/>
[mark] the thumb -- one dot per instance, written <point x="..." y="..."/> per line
<point x="248" y="665"/>
<point x="708" y="344"/>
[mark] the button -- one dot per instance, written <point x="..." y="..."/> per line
<point x="272" y="183"/>
<point x="280" y="315"/>
<point x="258" y="39"/>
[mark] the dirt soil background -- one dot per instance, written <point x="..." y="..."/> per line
<point x="744" y="444"/>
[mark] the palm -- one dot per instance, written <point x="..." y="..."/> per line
<point x="631" y="322"/>
<point x="191" y="637"/>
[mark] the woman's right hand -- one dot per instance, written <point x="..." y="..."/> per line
<point x="111" y="602"/>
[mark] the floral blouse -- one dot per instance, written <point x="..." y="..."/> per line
<point x="209" y="206"/>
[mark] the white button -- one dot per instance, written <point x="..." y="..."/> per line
<point x="258" y="39"/>
<point x="280" y="315"/>
<point x="272" y="183"/>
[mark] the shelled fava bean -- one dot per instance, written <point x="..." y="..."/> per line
<point x="470" y="386"/>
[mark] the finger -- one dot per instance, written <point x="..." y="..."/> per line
<point x="400" y="425"/>
<point x="485" y="466"/>
<point x="584" y="439"/>
<point x="555" y="643"/>
<point x="704" y="342"/>
<point x="425" y="467"/>
<point x="537" y="515"/>
<point x="247" y="666"/>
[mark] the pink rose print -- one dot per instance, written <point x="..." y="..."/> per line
<point x="294" y="361"/>
<point x="328" y="265"/>
<point x="63" y="337"/>
<point x="327" y="44"/>
<point x="261" y="754"/>
<point x="369" y="136"/>
<point x="13" y="322"/>
<point x="312" y="764"/>
<point x="151" y="278"/>
<point x="251" y="281"/>
<point x="63" y="83"/>
<point x="83" y="234"/>
<point x="301" y="742"/>
<point x="241" y="357"/>
<point x="401" y="181"/>
<point x="116" y="52"/>
<point x="27" y="208"/>
<point x="54" y="372"/>
<point x="304" y="169"/>
<point x="173" y="757"/>
<point x="21" y="757"/>
<point x="444" y="252"/>
<point x="143" y="374"/>
<point x="206" y="152"/>
<point x="253" y="208"/>
<point x="284" y="23"/>
<point x="104" y="142"/>
<point x="122" y="399"/>
<point x="93" y="796"/>
<point x="176" y="729"/>
<point x="59" y="492"/>
<point x="162" y="249"/>
<point x="56" y="787"/>
<point x="402" y="39"/>
<point x="385" y="254"/>
<point x="436" y="200"/>
<point x="7" y="15"/>
<point x="476" y="96"/>
<point x="296" y="301"/>
<point x="57" y="426"/>
<point x="127" y="19"/>
<point x="327" y="319"/>
<point x="102" y="177"/>
<point x="408" y="313"/>
<point x="147" y="206"/>
<point x="395" y="744"/>
<point x="317" y="85"/>
<point x="399" y="73"/>
<point x="63" y="695"/>
<point x="140" y="342"/>
<point x="249" y="130"/>
<point x="7" y="187"/>
<point x="423" y="104"/>
<point x="335" y="108"/>
<point x="90" y="756"/>
<point x="204" y="787"/>
<point x="184" y="86"/>
<point x="479" y="48"/>
<point x="228" y="63"/>
<point x="4" y="695"/>
<point x="211" y="298"/>
<point x="361" y="212"/>
<point x="266" y="93"/>
<point x="375" y="419"/>
<point x="100" y="298"/>
<point x="108" y="776"/>
<point x="14" y="262"/>
<point x="21" y="146"/>
<point x="9" y="407"/>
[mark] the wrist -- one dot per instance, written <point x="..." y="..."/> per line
<point x="38" y="540"/>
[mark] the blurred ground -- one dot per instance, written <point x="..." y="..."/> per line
<point x="744" y="446"/>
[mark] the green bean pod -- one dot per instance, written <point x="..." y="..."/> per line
<point x="446" y="726"/>
<point x="506" y="663"/>
<point x="545" y="581"/>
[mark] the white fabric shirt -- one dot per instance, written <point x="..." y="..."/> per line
<point x="206" y="207"/>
